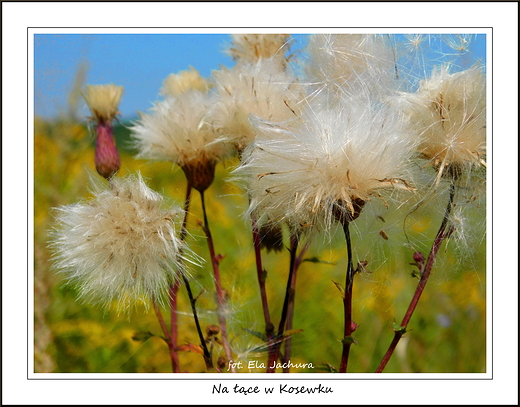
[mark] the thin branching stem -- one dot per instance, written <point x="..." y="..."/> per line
<point x="443" y="233"/>
<point x="167" y="338"/>
<point x="221" y="301"/>
<point x="347" y="302"/>
<point x="261" y="275"/>
<point x="289" y="292"/>
<point x="184" y="231"/>
<point x="174" y="290"/>
<point x="290" y="310"/>
<point x="193" y="300"/>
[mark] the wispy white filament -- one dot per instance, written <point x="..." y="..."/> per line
<point x="260" y="89"/>
<point x="448" y="114"/>
<point x="177" y="130"/>
<point x="298" y="172"/>
<point x="351" y="63"/>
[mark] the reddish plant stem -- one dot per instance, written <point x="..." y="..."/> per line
<point x="221" y="301"/>
<point x="347" y="303"/>
<point x="174" y="289"/>
<point x="290" y="310"/>
<point x="261" y="275"/>
<point x="184" y="231"/>
<point x="425" y="274"/>
<point x="273" y="356"/>
<point x="167" y="338"/>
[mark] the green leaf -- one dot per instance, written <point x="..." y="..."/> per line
<point x="291" y="332"/>
<point x="398" y="328"/>
<point x="142" y="336"/>
<point x="348" y="339"/>
<point x="259" y="335"/>
<point x="317" y="260"/>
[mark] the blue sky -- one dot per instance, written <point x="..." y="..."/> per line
<point x="136" y="61"/>
<point x="140" y="63"/>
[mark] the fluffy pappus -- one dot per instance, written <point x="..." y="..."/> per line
<point x="177" y="83"/>
<point x="254" y="47"/>
<point x="121" y="245"/>
<point x="103" y="101"/>
<point x="328" y="166"/>
<point x="351" y="63"/>
<point x="177" y="130"/>
<point x="448" y="114"/>
<point x="258" y="89"/>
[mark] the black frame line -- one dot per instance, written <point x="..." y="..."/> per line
<point x="279" y="376"/>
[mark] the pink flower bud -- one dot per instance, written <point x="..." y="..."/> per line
<point x="107" y="157"/>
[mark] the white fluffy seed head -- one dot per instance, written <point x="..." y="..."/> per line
<point x="448" y="112"/>
<point x="351" y="63"/>
<point x="176" y="84"/>
<point x="103" y="101"/>
<point x="121" y="245"/>
<point x="254" y="47"/>
<point x="332" y="161"/>
<point x="260" y="89"/>
<point x="177" y="130"/>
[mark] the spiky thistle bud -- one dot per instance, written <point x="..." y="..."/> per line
<point x="103" y="102"/>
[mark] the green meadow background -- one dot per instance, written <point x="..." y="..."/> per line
<point x="447" y="333"/>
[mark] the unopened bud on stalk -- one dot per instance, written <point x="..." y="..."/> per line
<point x="103" y="102"/>
<point x="271" y="238"/>
<point x="200" y="173"/>
<point x="418" y="257"/>
<point x="107" y="157"/>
